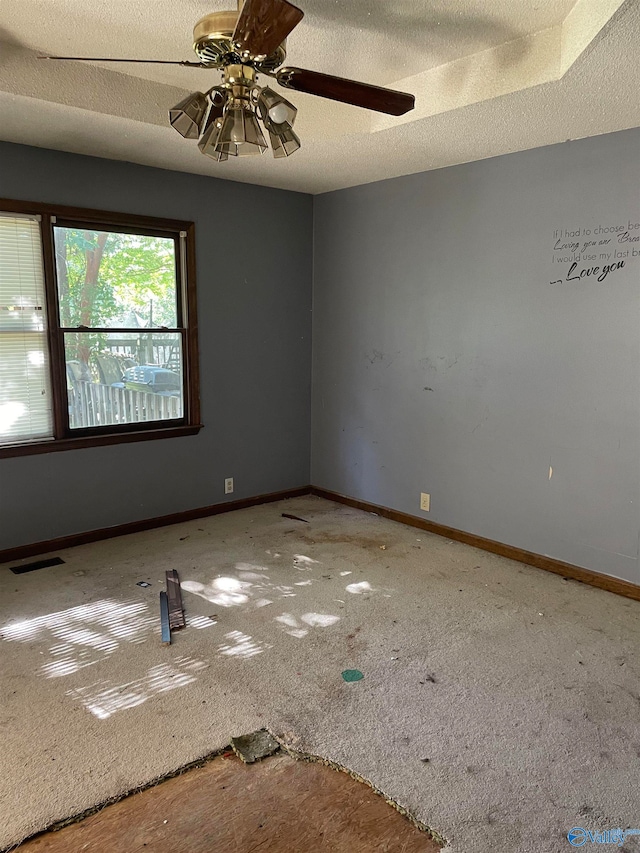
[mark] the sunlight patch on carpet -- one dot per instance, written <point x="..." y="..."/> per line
<point x="103" y="698"/>
<point x="84" y="635"/>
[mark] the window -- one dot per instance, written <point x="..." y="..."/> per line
<point x="25" y="389"/>
<point x="97" y="328"/>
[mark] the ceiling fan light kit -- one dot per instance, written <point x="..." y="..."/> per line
<point x="243" y="101"/>
<point x="226" y="119"/>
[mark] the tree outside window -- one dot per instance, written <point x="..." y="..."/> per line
<point x="122" y="353"/>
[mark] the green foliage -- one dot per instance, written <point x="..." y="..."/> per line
<point x="135" y="274"/>
<point x="109" y="280"/>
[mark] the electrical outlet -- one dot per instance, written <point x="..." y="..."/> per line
<point x="228" y="486"/>
<point x="425" y="501"/>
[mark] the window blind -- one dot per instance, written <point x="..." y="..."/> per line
<point x="25" y="392"/>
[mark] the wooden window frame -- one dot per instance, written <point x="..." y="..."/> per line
<point x="183" y="233"/>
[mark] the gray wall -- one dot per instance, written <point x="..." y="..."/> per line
<point x="254" y="303"/>
<point x="445" y="361"/>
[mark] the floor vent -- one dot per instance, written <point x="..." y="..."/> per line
<point x="39" y="564"/>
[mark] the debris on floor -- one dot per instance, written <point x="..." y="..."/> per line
<point x="294" y="517"/>
<point x="164" y="618"/>
<point x="254" y="746"/>
<point x="176" y="611"/>
<point x="143" y="584"/>
<point x="352" y="675"/>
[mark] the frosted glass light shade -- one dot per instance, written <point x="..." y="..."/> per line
<point x="240" y="134"/>
<point x="187" y="116"/>
<point x="211" y="133"/>
<point x="283" y="142"/>
<point x="274" y="109"/>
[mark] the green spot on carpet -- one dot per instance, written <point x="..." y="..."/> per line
<point x="352" y="675"/>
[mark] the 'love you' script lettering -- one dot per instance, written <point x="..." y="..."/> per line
<point x="593" y="254"/>
<point x="585" y="273"/>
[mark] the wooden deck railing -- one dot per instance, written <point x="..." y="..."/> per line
<point x="92" y="404"/>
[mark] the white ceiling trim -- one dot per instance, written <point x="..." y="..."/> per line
<point x="510" y="67"/>
<point x="583" y="23"/>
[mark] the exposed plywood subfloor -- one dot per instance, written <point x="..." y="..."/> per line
<point x="279" y="804"/>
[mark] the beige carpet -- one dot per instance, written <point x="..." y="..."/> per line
<point x="522" y="689"/>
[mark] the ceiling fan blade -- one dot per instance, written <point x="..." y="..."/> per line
<point x="111" y="59"/>
<point x="264" y="24"/>
<point x="348" y="91"/>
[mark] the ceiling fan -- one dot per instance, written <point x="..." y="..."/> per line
<point x="251" y="41"/>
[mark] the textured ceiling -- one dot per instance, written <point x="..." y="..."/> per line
<point x="490" y="77"/>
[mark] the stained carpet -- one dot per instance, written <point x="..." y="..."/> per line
<point x="499" y="704"/>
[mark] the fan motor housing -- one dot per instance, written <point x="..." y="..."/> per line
<point x="213" y="43"/>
